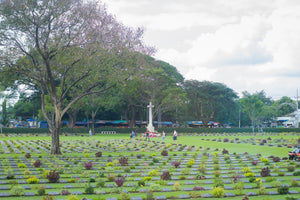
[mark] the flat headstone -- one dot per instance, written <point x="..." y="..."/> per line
<point x="206" y="195"/>
<point x="207" y="188"/>
<point x="248" y="187"/>
<point x="226" y="181"/>
<point x="3" y="188"/>
<point x="29" y="194"/>
<point x="4" y="194"/>
<point x="208" y="182"/>
<point x="53" y="193"/>
<point x="111" y="198"/>
<point x="251" y="194"/>
<point x="183" y="196"/>
<point x="293" y="192"/>
<point x="27" y="187"/>
<point x="160" y="197"/>
<point x="272" y="192"/>
<point x="189" y="183"/>
<point x="166" y="189"/>
<point x="229" y="194"/>
<point x="170" y="183"/>
<point x="136" y="198"/>
<point x="187" y="189"/>
<point x="228" y="187"/>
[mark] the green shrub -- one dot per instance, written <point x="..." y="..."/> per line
<point x="218" y="192"/>
<point x="89" y="189"/>
<point x="124" y="196"/>
<point x="283" y="189"/>
<point x="297" y="173"/>
<point x="290" y="168"/>
<point x="100" y="183"/>
<point x="41" y="190"/>
<point x="21" y="165"/>
<point x="141" y="183"/>
<point x="155" y="187"/>
<point x="32" y="180"/>
<point x="250" y="174"/>
<point x="17" y="190"/>
<point x="73" y="197"/>
<point x="147" y="178"/>
<point x="176" y="186"/>
<point x="153" y="173"/>
<point x="127" y="169"/>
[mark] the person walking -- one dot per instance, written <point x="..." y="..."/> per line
<point x="147" y="136"/>
<point x="175" y="134"/>
<point x="163" y="136"/>
<point x="90" y="132"/>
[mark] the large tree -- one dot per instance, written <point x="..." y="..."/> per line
<point x="63" y="47"/>
<point x="206" y="99"/>
<point x="253" y="105"/>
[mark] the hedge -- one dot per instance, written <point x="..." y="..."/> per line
<point x="142" y="130"/>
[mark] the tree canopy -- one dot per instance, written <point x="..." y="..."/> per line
<point x="63" y="47"/>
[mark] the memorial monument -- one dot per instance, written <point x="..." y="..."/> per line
<point x="150" y="126"/>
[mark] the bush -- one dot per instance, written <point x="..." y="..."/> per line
<point x="196" y="188"/>
<point x="290" y="168"/>
<point x="218" y="183"/>
<point x="123" y="161"/>
<point x="294" y="183"/>
<point x="124" y="196"/>
<point x="53" y="176"/>
<point x="283" y="189"/>
<point x="218" y="192"/>
<point x="177" y="186"/>
<point x="265" y="172"/>
<point x="120" y="180"/>
<point x="175" y="163"/>
<point x="254" y="162"/>
<point x="98" y="154"/>
<point x="88" y="165"/>
<point x="17" y="190"/>
<point x="89" y="189"/>
<point x="166" y="175"/>
<point x="65" y="192"/>
<point x="32" y="180"/>
<point x="21" y="165"/>
<point x="100" y="183"/>
<point x="225" y="151"/>
<point x="153" y="173"/>
<point x="27" y="155"/>
<point x="127" y="169"/>
<point x="141" y="183"/>
<point x="250" y="174"/>
<point x="147" y="178"/>
<point x="37" y="163"/>
<point x="276" y="159"/>
<point x="296" y="173"/>
<point x="41" y="190"/>
<point x="155" y="187"/>
<point x="164" y="153"/>
<point x="111" y="177"/>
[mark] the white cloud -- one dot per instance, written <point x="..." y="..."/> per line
<point x="248" y="45"/>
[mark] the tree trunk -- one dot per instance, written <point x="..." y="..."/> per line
<point x="132" y="121"/>
<point x="55" y="149"/>
<point x="55" y="130"/>
<point x="72" y="118"/>
<point x="93" y="122"/>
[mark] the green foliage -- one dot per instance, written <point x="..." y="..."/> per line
<point x="33" y="180"/>
<point x="124" y="196"/>
<point x="17" y="190"/>
<point x="41" y="190"/>
<point x="155" y="187"/>
<point x="100" y="183"/>
<point x="147" y="178"/>
<point x="21" y="165"/>
<point x="153" y="173"/>
<point x="141" y="183"/>
<point x="176" y="186"/>
<point x="89" y="189"/>
<point x="283" y="189"/>
<point x="73" y="197"/>
<point x="218" y="192"/>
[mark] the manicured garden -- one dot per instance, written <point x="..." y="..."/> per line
<point x="212" y="165"/>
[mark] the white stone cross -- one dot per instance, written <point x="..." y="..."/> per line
<point x="150" y="125"/>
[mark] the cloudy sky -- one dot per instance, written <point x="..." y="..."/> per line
<point x="249" y="45"/>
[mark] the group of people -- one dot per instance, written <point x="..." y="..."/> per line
<point x="147" y="135"/>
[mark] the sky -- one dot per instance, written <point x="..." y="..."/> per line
<point x="249" y="45"/>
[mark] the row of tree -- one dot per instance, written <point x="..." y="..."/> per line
<point x="77" y="58"/>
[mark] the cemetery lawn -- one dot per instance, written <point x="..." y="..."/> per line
<point x="194" y="152"/>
